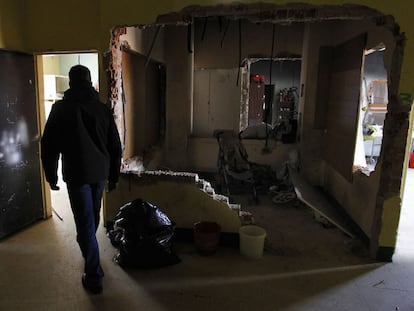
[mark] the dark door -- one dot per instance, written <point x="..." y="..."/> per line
<point x="256" y="99"/>
<point x="20" y="183"/>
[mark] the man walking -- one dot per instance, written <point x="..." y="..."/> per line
<point x="83" y="131"/>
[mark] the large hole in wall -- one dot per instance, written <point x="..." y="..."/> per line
<point x="205" y="56"/>
<point x="218" y="42"/>
<point x="372" y="109"/>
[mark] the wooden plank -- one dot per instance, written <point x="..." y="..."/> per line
<point x="316" y="200"/>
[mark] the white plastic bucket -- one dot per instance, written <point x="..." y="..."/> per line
<point x="252" y="241"/>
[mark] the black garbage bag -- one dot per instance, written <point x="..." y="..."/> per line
<point x="143" y="235"/>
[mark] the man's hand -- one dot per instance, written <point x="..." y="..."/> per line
<point x="54" y="187"/>
<point x="111" y="186"/>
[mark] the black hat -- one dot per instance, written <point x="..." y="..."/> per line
<point x="79" y="76"/>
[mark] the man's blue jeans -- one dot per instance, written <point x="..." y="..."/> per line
<point x="85" y="201"/>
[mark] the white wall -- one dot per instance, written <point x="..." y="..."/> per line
<point x="89" y="60"/>
<point x="60" y="64"/>
<point x="216" y="101"/>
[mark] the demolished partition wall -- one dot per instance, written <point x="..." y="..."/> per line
<point x="354" y="191"/>
<point x="182" y="150"/>
<point x="168" y="45"/>
<point x="357" y="195"/>
<point x="157" y="78"/>
<point x="183" y="197"/>
<point x="191" y="119"/>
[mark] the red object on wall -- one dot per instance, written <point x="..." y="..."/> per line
<point x="256" y="99"/>
<point x="411" y="164"/>
<point x="258" y="78"/>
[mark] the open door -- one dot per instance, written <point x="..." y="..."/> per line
<point x="20" y="182"/>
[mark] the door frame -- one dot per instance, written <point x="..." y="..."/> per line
<point x="41" y="116"/>
<point x="41" y="119"/>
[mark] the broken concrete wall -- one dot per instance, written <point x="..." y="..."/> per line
<point x="211" y="40"/>
<point x="334" y="183"/>
<point x="358" y="197"/>
<point x="141" y="86"/>
<point x="167" y="45"/>
<point x="179" y="195"/>
<point x="148" y="41"/>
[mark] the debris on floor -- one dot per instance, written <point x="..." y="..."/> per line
<point x="318" y="202"/>
<point x="246" y="218"/>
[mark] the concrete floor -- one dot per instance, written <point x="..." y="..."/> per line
<point x="40" y="269"/>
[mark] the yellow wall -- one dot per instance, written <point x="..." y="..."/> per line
<point x="50" y="25"/>
<point x="131" y="12"/>
<point x="388" y="235"/>
<point x="11" y="18"/>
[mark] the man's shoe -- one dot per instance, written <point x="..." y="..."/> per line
<point x="92" y="288"/>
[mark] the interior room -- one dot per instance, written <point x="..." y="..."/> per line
<point x="293" y="118"/>
<point x="313" y="126"/>
<point x="55" y="68"/>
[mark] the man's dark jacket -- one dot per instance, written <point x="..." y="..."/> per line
<point x="82" y="129"/>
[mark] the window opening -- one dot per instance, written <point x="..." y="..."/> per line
<point x="373" y="108"/>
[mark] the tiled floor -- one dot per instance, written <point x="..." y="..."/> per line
<point x="40" y="269"/>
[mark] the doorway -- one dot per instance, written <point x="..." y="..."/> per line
<point x="53" y="72"/>
<point x="272" y="99"/>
